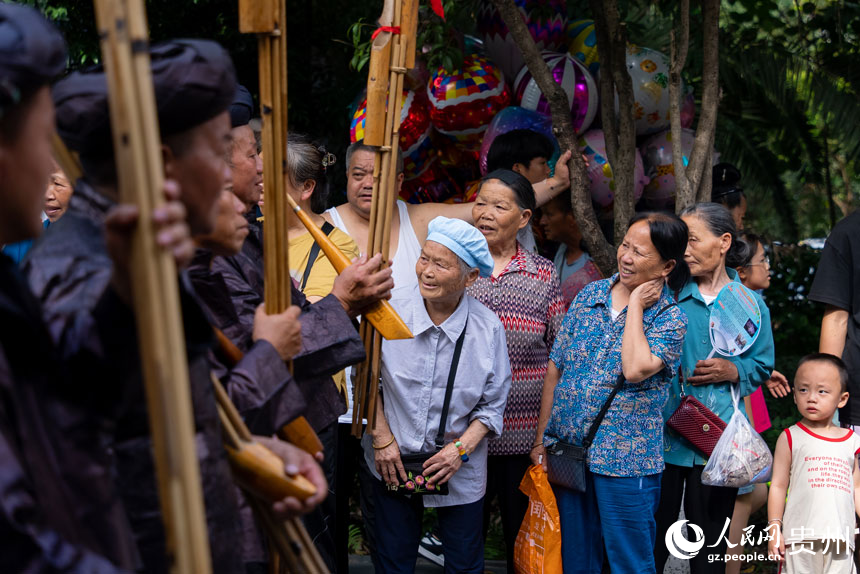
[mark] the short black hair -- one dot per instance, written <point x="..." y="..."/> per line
<point x="751" y="239"/>
<point x="518" y="146"/>
<point x="832" y="360"/>
<point x="726" y="186"/>
<point x="670" y="235"/>
<point x="524" y="193"/>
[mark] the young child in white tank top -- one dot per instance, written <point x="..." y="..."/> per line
<point x="816" y="463"/>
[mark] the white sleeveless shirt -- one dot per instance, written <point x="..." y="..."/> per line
<point x="820" y="501"/>
<point x="404" y="259"/>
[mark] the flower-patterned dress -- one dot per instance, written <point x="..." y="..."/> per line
<point x="587" y="351"/>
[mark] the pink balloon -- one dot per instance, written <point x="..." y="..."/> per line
<point x="657" y="153"/>
<point x="593" y="144"/>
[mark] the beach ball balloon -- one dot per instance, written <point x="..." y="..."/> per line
<point x="649" y="70"/>
<point x="593" y="144"/>
<point x="415" y="128"/>
<point x="574" y="78"/>
<point x="546" y="21"/>
<point x="657" y="153"/>
<point x="463" y="101"/>
<point x="510" y="119"/>
<point x="583" y="44"/>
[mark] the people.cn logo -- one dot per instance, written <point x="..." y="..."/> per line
<point x="678" y="544"/>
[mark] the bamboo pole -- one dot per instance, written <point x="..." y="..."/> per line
<point x="123" y="31"/>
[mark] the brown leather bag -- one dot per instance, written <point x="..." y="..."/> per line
<point x="697" y="423"/>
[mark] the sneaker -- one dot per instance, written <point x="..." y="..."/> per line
<point x="430" y="548"/>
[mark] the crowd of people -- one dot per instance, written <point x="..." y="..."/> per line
<point x="513" y="352"/>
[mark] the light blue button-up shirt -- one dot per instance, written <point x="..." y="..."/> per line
<point x="414" y="378"/>
<point x="754" y="368"/>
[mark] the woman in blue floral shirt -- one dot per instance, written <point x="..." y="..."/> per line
<point x="626" y="324"/>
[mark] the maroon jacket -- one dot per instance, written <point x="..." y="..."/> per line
<point x="59" y="511"/>
<point x="69" y="271"/>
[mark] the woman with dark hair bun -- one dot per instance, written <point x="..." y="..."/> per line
<point x="524" y="293"/>
<point x="713" y="251"/>
<point x="626" y="326"/>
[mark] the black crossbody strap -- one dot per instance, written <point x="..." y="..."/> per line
<point x="327" y="228"/>
<point x="619" y="382"/>
<point x="452" y="374"/>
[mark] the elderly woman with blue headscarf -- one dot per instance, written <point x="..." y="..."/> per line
<point x="443" y="395"/>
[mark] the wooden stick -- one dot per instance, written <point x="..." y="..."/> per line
<point x="137" y="146"/>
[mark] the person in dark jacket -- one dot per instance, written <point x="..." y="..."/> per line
<point x="59" y="509"/>
<point x="69" y="270"/>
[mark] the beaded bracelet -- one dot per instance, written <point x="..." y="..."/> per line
<point x="463" y="456"/>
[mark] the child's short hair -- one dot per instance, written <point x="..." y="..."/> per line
<point x="517" y="146"/>
<point x="833" y="360"/>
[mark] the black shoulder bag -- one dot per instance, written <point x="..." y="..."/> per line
<point x="413" y="464"/>
<point x="327" y="228"/>
<point x="565" y="461"/>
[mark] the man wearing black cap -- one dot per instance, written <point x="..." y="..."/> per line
<point x="58" y="507"/>
<point x="194" y="85"/>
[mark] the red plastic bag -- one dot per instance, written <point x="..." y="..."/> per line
<point x="538" y="546"/>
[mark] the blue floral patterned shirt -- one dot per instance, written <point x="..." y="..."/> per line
<point x="754" y="368"/>
<point x="587" y="351"/>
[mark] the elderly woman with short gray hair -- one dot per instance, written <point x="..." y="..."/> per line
<point x="443" y="395"/>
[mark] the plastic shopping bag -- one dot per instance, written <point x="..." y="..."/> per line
<point x="741" y="456"/>
<point x="538" y="546"/>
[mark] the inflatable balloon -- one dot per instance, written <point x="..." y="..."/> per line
<point x="546" y="20"/>
<point x="463" y="102"/>
<point x="593" y="144"/>
<point x="415" y="128"/>
<point x="583" y="44"/>
<point x="510" y="119"/>
<point x="574" y="78"/>
<point x="434" y="185"/>
<point x="649" y="71"/>
<point x="657" y="153"/>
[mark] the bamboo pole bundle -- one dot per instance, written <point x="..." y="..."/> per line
<point x="123" y="31"/>
<point x="393" y="48"/>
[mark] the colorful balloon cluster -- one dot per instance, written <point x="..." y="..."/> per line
<point x="657" y="153"/>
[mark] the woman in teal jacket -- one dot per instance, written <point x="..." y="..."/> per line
<point x="713" y="250"/>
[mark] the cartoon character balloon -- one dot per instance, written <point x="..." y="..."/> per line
<point x="546" y="20"/>
<point x="574" y="78"/>
<point x="583" y="44"/>
<point x="649" y="70"/>
<point x="657" y="153"/>
<point x="415" y="128"/>
<point x="463" y="102"/>
<point x="593" y="144"/>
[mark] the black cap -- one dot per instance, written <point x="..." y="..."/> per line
<point x="32" y="53"/>
<point x="194" y="82"/>
<point x="242" y="107"/>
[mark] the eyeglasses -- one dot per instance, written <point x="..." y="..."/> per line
<point x="765" y="263"/>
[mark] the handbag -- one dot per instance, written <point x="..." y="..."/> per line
<point x="565" y="461"/>
<point x="413" y="464"/>
<point x="696" y="422"/>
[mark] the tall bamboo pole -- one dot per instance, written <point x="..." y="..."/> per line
<point x="123" y="32"/>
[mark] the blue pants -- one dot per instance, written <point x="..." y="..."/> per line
<point x="398" y="531"/>
<point x="615" y="512"/>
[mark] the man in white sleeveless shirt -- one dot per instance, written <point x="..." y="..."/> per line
<point x="409" y="221"/>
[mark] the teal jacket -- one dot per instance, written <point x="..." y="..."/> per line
<point x="754" y="367"/>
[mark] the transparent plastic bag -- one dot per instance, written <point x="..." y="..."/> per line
<point x="741" y="456"/>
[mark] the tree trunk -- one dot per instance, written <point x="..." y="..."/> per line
<point x="599" y="248"/>
<point x="693" y="181"/>
<point x="618" y="128"/>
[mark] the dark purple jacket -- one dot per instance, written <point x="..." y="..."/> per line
<point x="59" y="511"/>
<point x="330" y="341"/>
<point x="69" y="271"/>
